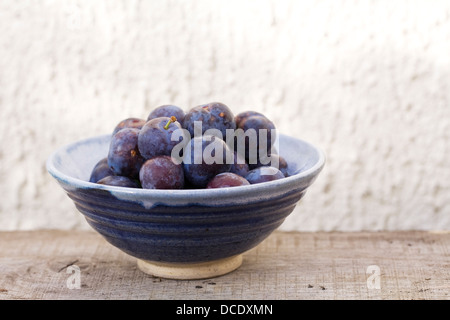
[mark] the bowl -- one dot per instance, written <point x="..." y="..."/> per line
<point x="189" y="233"/>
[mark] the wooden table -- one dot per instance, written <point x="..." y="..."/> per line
<point x="352" y="265"/>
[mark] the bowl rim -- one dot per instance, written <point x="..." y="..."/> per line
<point x="287" y="182"/>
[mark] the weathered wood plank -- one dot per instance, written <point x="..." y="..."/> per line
<point x="356" y="265"/>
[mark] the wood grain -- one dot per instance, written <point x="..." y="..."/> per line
<point x="411" y="265"/>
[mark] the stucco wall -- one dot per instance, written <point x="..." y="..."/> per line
<point x="367" y="81"/>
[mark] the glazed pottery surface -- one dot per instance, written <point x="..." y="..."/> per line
<point x="189" y="226"/>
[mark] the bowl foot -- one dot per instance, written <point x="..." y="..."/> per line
<point x="190" y="271"/>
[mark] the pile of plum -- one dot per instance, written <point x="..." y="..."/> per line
<point x="162" y="152"/>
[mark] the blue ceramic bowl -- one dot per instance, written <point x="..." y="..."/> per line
<point x="184" y="226"/>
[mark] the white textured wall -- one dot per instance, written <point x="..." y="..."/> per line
<point x="367" y="81"/>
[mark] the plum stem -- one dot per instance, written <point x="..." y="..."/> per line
<point x="171" y="120"/>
